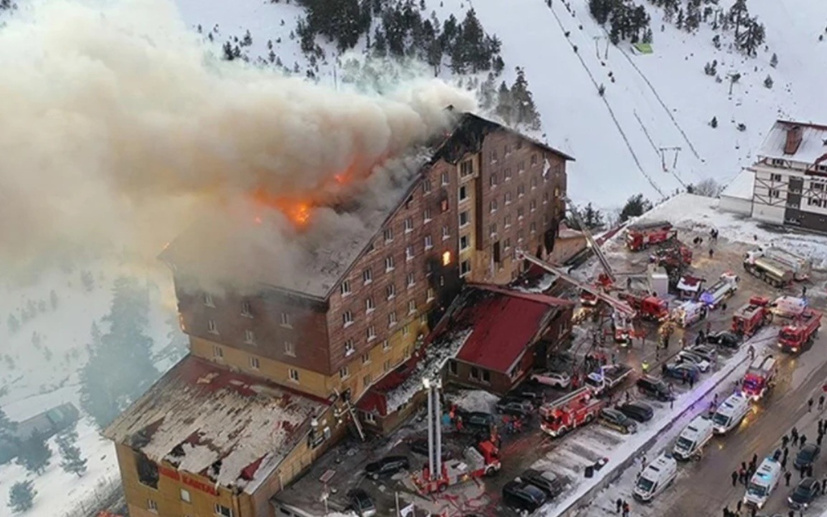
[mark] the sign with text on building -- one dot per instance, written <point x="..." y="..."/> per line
<point x="194" y="483"/>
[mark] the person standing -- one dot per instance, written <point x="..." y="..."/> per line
<point x="618" y="505"/>
<point x="738" y="506"/>
<point x="787" y="476"/>
<point x="810" y="405"/>
<point x="820" y="404"/>
<point x="784" y="441"/>
<point x="802" y="441"/>
<point x="735" y="478"/>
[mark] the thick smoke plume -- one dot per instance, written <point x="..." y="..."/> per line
<point x="121" y="126"/>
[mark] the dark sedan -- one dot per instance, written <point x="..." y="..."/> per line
<point x="546" y="481"/>
<point x="807" y="456"/>
<point x="724" y="338"/>
<point x="682" y="371"/>
<point x="420" y="446"/>
<point x="387" y="467"/>
<point x="639" y="411"/>
<point x="804" y="494"/>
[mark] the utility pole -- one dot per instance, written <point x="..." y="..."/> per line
<point x="606" y="56"/>
<point x="597" y="50"/>
<point x="663" y="156"/>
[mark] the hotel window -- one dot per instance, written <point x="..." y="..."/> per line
<point x="347" y="318"/>
<point x="411" y="279"/>
<point x="443" y="205"/>
<point x="392" y="318"/>
<point x="208" y="300"/>
<point x="369" y="304"/>
<point x="464" y="220"/>
<point x="366" y="380"/>
<point x="423" y="319"/>
<point x="534" y="159"/>
<point x="486" y="376"/>
<point x="217" y="351"/>
<point x="427" y="215"/>
<point x="463" y="243"/>
<point x="507" y="174"/>
<point x="532" y="206"/>
<point x="152" y="506"/>
<point x="430" y="294"/>
<point x="211" y="328"/>
<point x="507" y="221"/>
<point x="411" y="306"/>
<point x="445" y="233"/>
<point x="429" y="242"/>
<point x="388" y="234"/>
<point x="520" y="190"/>
<point x="254" y="364"/>
<point x="493" y="156"/>
<point x="507" y="198"/>
<point x="386" y="366"/>
<point x="185" y="496"/>
<point x="371" y="333"/>
<point x="367" y="276"/>
<point x="444" y="178"/>
<point x="466" y="168"/>
<point x="519" y="236"/>
<point x="349" y="347"/>
<point x="386" y="345"/>
<point x="409" y="225"/>
<point x="344" y="372"/>
<point x="389" y="263"/>
<point x="285" y="320"/>
<point x="533" y="183"/>
<point x="345" y="288"/>
<point x="223" y="511"/>
<point x="774" y="193"/>
<point x="409" y="252"/>
<point x="545" y="198"/>
<point x="521" y="166"/>
<point x="520" y="213"/>
<point x="365" y="358"/>
<point x="294" y="374"/>
<point x="249" y="337"/>
<point x="506" y="244"/>
<point x="405" y="330"/>
<point x="246" y="309"/>
<point x="775" y="177"/>
<point x="507" y="150"/>
<point x="464" y="267"/>
<point x="426" y="186"/>
<point x="492" y="206"/>
<point x="533" y="227"/>
<point x="492" y="181"/>
<point x="390" y="291"/>
<point x="492" y="230"/>
<point x="463" y="193"/>
<point x="289" y="349"/>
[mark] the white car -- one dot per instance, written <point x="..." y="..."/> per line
<point x="687" y="356"/>
<point x="555" y="379"/>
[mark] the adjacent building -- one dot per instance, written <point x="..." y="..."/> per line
<point x="303" y="349"/>
<point x="788" y="180"/>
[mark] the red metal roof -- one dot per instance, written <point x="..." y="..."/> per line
<point x="504" y="324"/>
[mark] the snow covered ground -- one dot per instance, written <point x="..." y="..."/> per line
<point x="37" y="375"/>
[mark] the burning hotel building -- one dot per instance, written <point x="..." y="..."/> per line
<point x="275" y="373"/>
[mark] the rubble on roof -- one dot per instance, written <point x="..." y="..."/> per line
<point x="210" y="421"/>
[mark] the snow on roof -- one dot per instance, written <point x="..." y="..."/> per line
<point x="700" y="214"/>
<point x="742" y="187"/>
<point x="198" y="414"/>
<point x="813" y="142"/>
<point x="690" y="283"/>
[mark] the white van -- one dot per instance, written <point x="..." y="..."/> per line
<point x="655" y="477"/>
<point x="788" y="306"/>
<point x="730" y="413"/>
<point x="763" y="482"/>
<point x="693" y="438"/>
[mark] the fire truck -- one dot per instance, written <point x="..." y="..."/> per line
<point x="689" y="312"/>
<point x="759" y="377"/>
<point x="643" y="235"/>
<point x="482" y="460"/>
<point x="800" y="266"/>
<point x="570" y="412"/>
<point x="749" y="318"/>
<point x="794" y="337"/>
<point x="720" y="290"/>
<point x="647" y="306"/>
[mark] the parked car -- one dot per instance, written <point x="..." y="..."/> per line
<point x="807" y="456"/>
<point x="677" y="370"/>
<point x="523" y="497"/>
<point x="655" y="388"/>
<point x="554" y="379"/>
<point x="524" y="393"/>
<point x="708" y="352"/>
<point x="361" y="503"/>
<point x="614" y="419"/>
<point x="688" y="356"/>
<point x="515" y="407"/>
<point x="387" y="467"/>
<point x="420" y="446"/>
<point x="724" y="338"/>
<point x="475" y="421"/>
<point x="638" y="411"/>
<point x="804" y="494"/>
<point x="547" y="481"/>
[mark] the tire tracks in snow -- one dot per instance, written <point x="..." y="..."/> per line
<point x="609" y="107"/>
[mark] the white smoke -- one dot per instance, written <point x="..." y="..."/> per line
<point x="119" y="125"/>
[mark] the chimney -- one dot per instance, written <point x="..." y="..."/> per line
<point x="793" y="139"/>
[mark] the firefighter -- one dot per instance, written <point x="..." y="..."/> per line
<point x="645" y="366"/>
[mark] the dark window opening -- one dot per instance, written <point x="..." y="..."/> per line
<point x="147" y="471"/>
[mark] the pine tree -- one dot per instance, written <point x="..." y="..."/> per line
<point x="6" y="425"/>
<point x="714" y="122"/>
<point x="774" y="60"/>
<point x="635" y="206"/>
<point x="526" y="111"/>
<point x="737" y="13"/>
<point x="505" y="105"/>
<point x="592" y="217"/>
<point x="679" y="22"/>
<point x="768" y="82"/>
<point x="72" y="461"/>
<point x="21" y="496"/>
<point x="34" y="453"/>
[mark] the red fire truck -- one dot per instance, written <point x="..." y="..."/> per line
<point x="794" y="337"/>
<point x="759" y="377"/>
<point x="576" y="409"/>
<point x="748" y="319"/>
<point x="479" y="461"/>
<point x="643" y="235"/>
<point x="648" y="307"/>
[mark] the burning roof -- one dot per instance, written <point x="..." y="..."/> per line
<point x="207" y="420"/>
